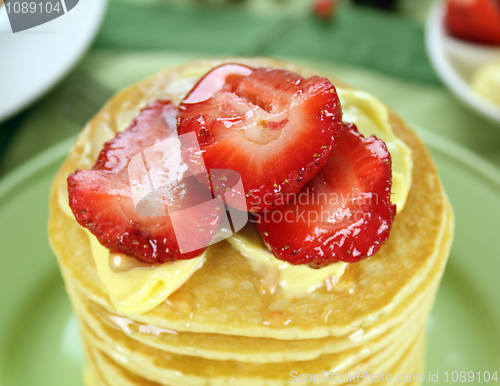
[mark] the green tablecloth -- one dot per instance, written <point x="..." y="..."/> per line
<point x="380" y="52"/>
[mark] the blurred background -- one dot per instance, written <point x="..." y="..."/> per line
<point x="376" y="45"/>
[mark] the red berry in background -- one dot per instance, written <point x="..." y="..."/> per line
<point x="476" y="21"/>
<point x="325" y="9"/>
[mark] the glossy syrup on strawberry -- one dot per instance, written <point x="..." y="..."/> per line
<point x="343" y="214"/>
<point x="272" y="126"/>
<point x="320" y="190"/>
<point x="102" y="199"/>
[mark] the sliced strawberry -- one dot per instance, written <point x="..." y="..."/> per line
<point x="476" y="21"/>
<point x="155" y="123"/>
<point x="273" y="127"/>
<point x="344" y="213"/>
<point x="102" y="199"/>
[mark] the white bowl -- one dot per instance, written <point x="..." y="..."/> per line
<point x="32" y="61"/>
<point x="455" y="61"/>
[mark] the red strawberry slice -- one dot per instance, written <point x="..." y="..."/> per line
<point x="102" y="199"/>
<point x="155" y="123"/>
<point x="273" y="127"/>
<point x="344" y="213"/>
<point x="476" y="21"/>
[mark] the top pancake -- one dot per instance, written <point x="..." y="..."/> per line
<point x="224" y="295"/>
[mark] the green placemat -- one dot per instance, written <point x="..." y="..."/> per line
<point x="387" y="42"/>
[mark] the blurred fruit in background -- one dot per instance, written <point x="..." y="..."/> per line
<point x="476" y="21"/>
<point x="324" y="9"/>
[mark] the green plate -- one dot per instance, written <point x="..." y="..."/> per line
<point x="39" y="342"/>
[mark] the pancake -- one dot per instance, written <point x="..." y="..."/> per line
<point x="164" y="366"/>
<point x="243" y="349"/>
<point x="404" y="359"/>
<point x="375" y="357"/>
<point x="225" y="347"/>
<point x="115" y="337"/>
<point x="218" y="327"/>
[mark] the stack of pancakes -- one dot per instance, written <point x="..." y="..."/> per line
<point x="219" y="328"/>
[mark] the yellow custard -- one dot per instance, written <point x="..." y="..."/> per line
<point x="294" y="280"/>
<point x="371" y="117"/>
<point x="136" y="288"/>
<point x="486" y="81"/>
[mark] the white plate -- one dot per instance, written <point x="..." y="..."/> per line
<point x="455" y="61"/>
<point x="35" y="59"/>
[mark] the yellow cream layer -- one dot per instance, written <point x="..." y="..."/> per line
<point x="486" y="81"/>
<point x="136" y="288"/>
<point x="293" y="280"/>
<point x="371" y="117"/>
